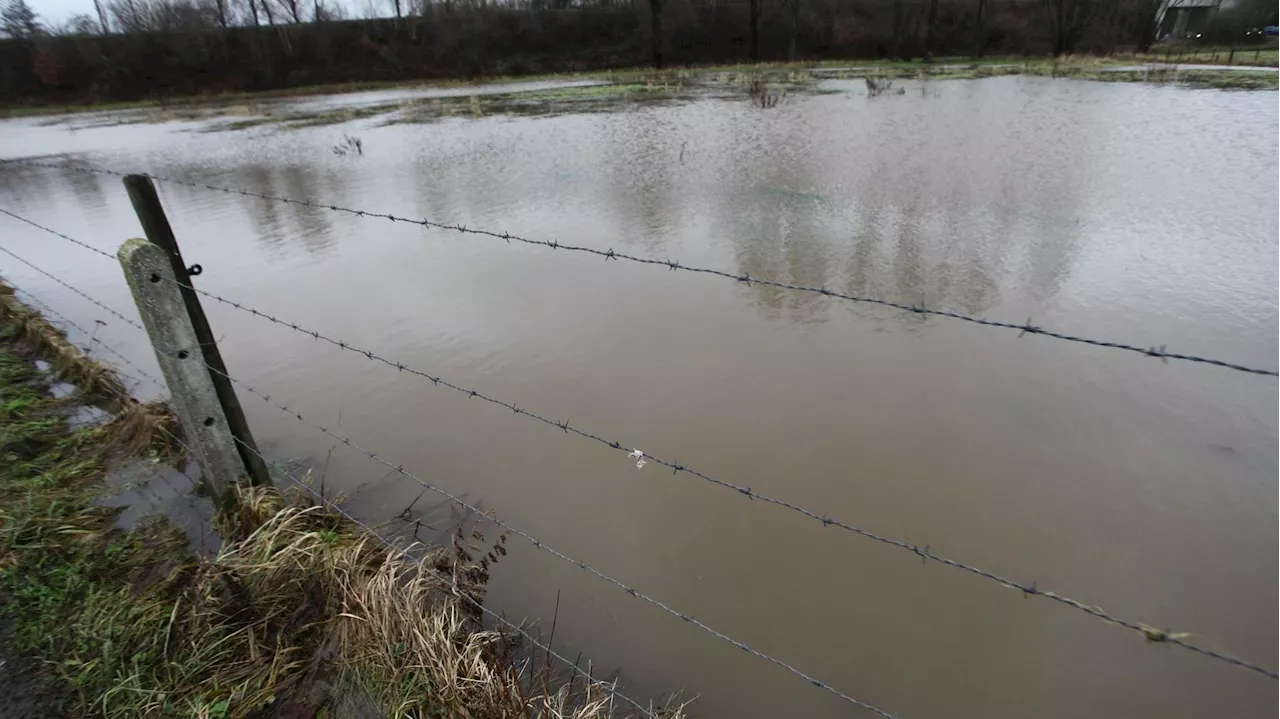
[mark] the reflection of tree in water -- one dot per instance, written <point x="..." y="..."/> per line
<point x="87" y="187"/>
<point x="774" y="223"/>
<point x="909" y="272"/>
<point x="279" y="224"/>
<point x="18" y="181"/>
<point x="642" y="175"/>
<point x="863" y="273"/>
<point x="776" y="237"/>
<point x="941" y="255"/>
<point x="940" y="215"/>
<point x="276" y="224"/>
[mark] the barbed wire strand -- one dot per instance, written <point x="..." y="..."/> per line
<point x="1160" y="352"/>
<point x="160" y="474"/>
<point x="1152" y="634"/>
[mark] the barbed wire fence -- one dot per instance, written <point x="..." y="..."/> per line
<point x="28" y="297"/>
<point x="925" y="553"/>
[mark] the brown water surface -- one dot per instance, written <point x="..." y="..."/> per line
<point x="1127" y="212"/>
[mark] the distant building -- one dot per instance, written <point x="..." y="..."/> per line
<point x="1188" y="18"/>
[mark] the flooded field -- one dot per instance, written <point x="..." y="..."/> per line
<point x="1133" y="212"/>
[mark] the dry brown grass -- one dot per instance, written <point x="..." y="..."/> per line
<point x="398" y="624"/>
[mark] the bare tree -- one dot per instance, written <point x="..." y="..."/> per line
<point x="129" y="15"/>
<point x="655" y="39"/>
<point x="1068" y="20"/>
<point x="326" y="11"/>
<point x="266" y="10"/>
<point x="753" y="12"/>
<point x="292" y="9"/>
<point x="930" y="21"/>
<point x="395" y="5"/>
<point x="102" y="16"/>
<point x="980" y="29"/>
<point x="77" y="25"/>
<point x="899" y="28"/>
<point x="252" y="6"/>
<point x="19" y="21"/>
<point x="221" y="11"/>
<point x="1144" y="28"/>
<point x="795" y="28"/>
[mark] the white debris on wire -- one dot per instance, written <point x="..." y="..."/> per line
<point x="638" y="456"/>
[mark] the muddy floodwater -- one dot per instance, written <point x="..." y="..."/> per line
<point x="1128" y="212"/>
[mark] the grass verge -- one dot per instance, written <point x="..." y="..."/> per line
<point x="299" y="614"/>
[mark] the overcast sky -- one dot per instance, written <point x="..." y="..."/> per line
<point x="57" y="11"/>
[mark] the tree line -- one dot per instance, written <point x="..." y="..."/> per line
<point x="131" y="49"/>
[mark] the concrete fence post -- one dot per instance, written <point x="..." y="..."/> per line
<point x="146" y="203"/>
<point x="194" y="398"/>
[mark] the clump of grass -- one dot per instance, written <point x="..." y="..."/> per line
<point x="349" y="146"/>
<point x="877" y="86"/>
<point x="758" y="92"/>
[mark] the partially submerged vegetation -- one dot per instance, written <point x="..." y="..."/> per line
<point x="764" y="84"/>
<point x="300" y="613"/>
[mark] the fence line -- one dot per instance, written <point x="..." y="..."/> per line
<point x="160" y="474"/>
<point x="1152" y="634"/>
<point x="1160" y="352"/>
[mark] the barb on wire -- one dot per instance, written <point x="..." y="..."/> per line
<point x="1159" y="352"/>
<point x="461" y="595"/>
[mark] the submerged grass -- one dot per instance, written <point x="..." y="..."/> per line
<point x="157" y="110"/>
<point x="300" y="613"/>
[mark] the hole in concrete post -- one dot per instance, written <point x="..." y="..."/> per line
<point x="155" y="277"/>
<point x="208" y="421"/>
<point x="183" y="354"/>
